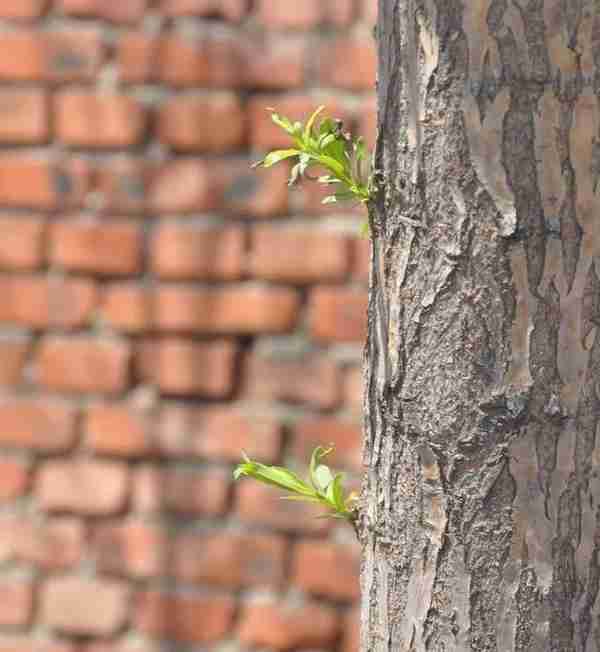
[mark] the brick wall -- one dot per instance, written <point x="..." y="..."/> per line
<point x="162" y="307"/>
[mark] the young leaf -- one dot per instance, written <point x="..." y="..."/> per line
<point x="278" y="155"/>
<point x="308" y="129"/>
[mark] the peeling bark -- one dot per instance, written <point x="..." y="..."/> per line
<point x="481" y="518"/>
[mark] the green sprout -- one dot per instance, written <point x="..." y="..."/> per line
<point x="345" y="159"/>
<point x="324" y="486"/>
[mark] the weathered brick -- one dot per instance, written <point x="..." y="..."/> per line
<point x="254" y="193"/>
<point x="24" y="117"/>
<point x="298" y="255"/>
<point x="310" y="14"/>
<point x="83" y="486"/>
<point x="353" y="388"/>
<point x="185" y="618"/>
<point x="217" y="433"/>
<point x="46" y="425"/>
<point x="196" y="493"/>
<point x="126" y="307"/>
<point x="118" y="11"/>
<point x="367" y="120"/>
<point x="87" y="119"/>
<point x="189" y="251"/>
<point x="208" y="123"/>
<point x="101" y="247"/>
<point x="137" y="55"/>
<point x="184" y="186"/>
<point x="65" y="55"/>
<point x="187" y="368"/>
<point x="118" y="429"/>
<point x="16" y="603"/>
<point x="285" y="627"/>
<point x="147" y="489"/>
<point x="39" y="301"/>
<point x="275" y="62"/>
<point x="311" y="380"/>
<point x="22" y="9"/>
<point x="135" y="549"/>
<point x="80" y="606"/>
<point x="26" y="643"/>
<point x="245" y="309"/>
<point x="361" y="259"/>
<point x="14" y="351"/>
<point x="338" y="314"/>
<point x="348" y="62"/>
<point x="327" y="569"/>
<point x="229" y="560"/>
<point x="52" y="544"/>
<point x="232" y="10"/>
<point x="264" y="134"/>
<point x="369" y="10"/>
<point x="201" y="61"/>
<point x="14" y="479"/>
<point x="345" y="436"/>
<point x="256" y="503"/>
<point x="121" y="183"/>
<point x="41" y="183"/>
<point x="21" y="242"/>
<point x="83" y="364"/>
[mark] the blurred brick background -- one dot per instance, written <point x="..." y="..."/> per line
<point x="162" y="307"/>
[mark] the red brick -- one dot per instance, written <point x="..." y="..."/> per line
<point x="126" y="307"/>
<point x="118" y="429"/>
<point x="80" y="606"/>
<point x="137" y="56"/>
<point x="348" y="62"/>
<point x="201" y="61"/>
<point x="367" y="121"/>
<point x="338" y="314"/>
<point x="14" y="479"/>
<point x="21" y="242"/>
<point x="134" y="549"/>
<point x="102" y="247"/>
<point x="23" y="9"/>
<point x="26" y="643"/>
<point x="285" y="627"/>
<point x="309" y="380"/>
<point x="147" y="489"/>
<point x="52" y="544"/>
<point x="40" y="183"/>
<point x="66" y="55"/>
<point x="184" y="618"/>
<point x="118" y="11"/>
<point x="23" y="117"/>
<point x="275" y="63"/>
<point x="37" y="424"/>
<point x="209" y="123"/>
<point x="196" y="493"/>
<point x="121" y="184"/>
<point x="298" y="255"/>
<point x="309" y="14"/>
<point x="184" y="186"/>
<point x="187" y="368"/>
<point x="83" y="364"/>
<point x="16" y="603"/>
<point x="82" y="486"/>
<point x="217" y="433"/>
<point x="361" y="255"/>
<point x="189" y="251"/>
<point x="14" y="351"/>
<point x="264" y="134"/>
<point x="260" y="504"/>
<point x="229" y="560"/>
<point x="327" y="569"/>
<point x="346" y="436"/>
<point x="369" y="10"/>
<point x="255" y="193"/>
<point x="351" y="637"/>
<point x="232" y="10"/>
<point x="245" y="309"/>
<point x="353" y="389"/>
<point x="87" y="119"/>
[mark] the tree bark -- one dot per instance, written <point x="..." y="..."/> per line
<point x="480" y="523"/>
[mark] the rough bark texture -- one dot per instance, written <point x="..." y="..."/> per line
<point x="481" y="527"/>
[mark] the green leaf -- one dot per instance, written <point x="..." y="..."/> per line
<point x="308" y="129"/>
<point x="330" y="199"/>
<point x="278" y="155"/>
<point x="335" y="492"/>
<point x="323" y="477"/>
<point x="274" y="475"/>
<point x="315" y="459"/>
<point x="283" y="122"/>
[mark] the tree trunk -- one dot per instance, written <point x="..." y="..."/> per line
<point x="480" y="522"/>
